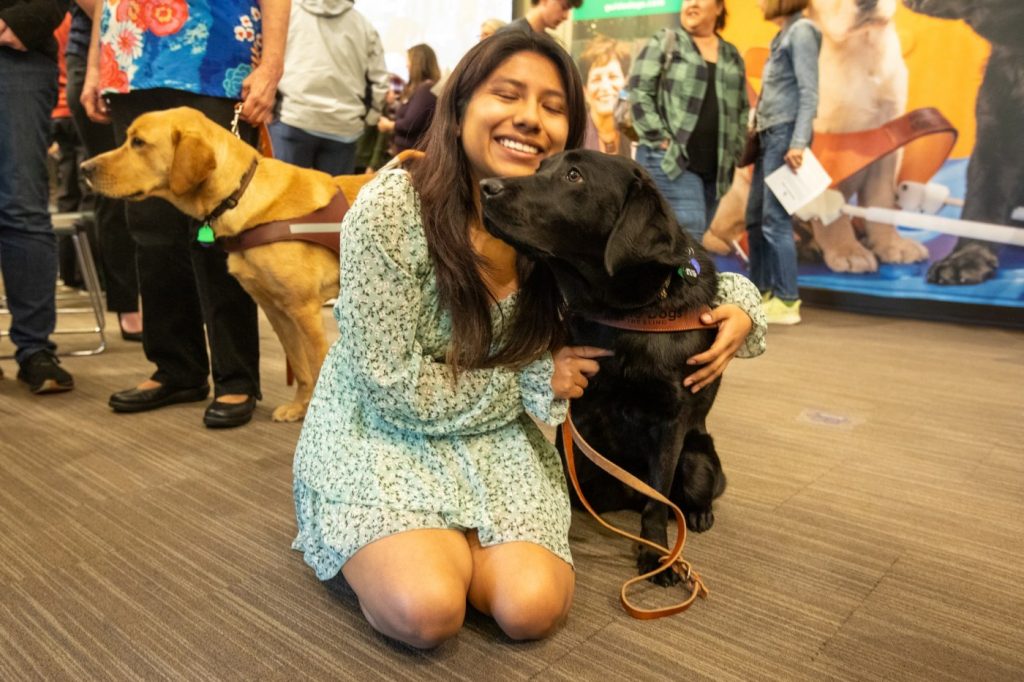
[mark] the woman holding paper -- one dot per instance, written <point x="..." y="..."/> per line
<point x="785" y="112"/>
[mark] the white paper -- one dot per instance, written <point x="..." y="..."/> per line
<point x="795" y="189"/>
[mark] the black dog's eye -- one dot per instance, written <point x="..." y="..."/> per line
<point x="138" y="142"/>
<point x="574" y="175"/>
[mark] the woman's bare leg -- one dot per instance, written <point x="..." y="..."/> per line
<point x="412" y="586"/>
<point x="523" y="586"/>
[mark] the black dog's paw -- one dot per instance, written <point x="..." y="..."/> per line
<point x="700" y="521"/>
<point x="647" y="561"/>
<point x="971" y="264"/>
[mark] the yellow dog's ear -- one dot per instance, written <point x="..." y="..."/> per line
<point x="193" y="162"/>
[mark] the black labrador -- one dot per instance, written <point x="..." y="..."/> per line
<point x="616" y="251"/>
<point x="995" y="175"/>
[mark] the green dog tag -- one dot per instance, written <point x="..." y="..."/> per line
<point x="205" y="235"/>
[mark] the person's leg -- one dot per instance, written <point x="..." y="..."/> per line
<point x="173" y="336"/>
<point x="525" y="587"/>
<point x="293" y="145"/>
<point x="685" y="194"/>
<point x="115" y="244"/>
<point x="336" y="158"/>
<point x="28" y="249"/>
<point x="759" y="268"/>
<point x="777" y="226"/>
<point x="230" y="314"/>
<point x="423" y="602"/>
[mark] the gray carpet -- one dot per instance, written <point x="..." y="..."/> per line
<point x="872" y="529"/>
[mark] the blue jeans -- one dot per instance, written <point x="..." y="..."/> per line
<point x="693" y="199"/>
<point x="28" y="248"/>
<point x="296" y="146"/>
<point x="772" y="249"/>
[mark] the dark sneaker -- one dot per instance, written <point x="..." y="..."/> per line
<point x="42" y="372"/>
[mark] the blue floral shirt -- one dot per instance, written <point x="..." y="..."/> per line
<point x="206" y="47"/>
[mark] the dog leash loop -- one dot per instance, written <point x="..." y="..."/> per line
<point x="234" y="121"/>
<point x="671" y="558"/>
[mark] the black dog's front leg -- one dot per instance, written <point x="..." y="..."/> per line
<point x="654" y="518"/>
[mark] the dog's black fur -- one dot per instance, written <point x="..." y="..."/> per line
<point x="612" y="243"/>
<point x="995" y="174"/>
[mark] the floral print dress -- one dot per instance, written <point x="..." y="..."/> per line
<point x="390" y="443"/>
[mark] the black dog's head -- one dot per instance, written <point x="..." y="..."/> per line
<point x="998" y="21"/>
<point x="598" y="221"/>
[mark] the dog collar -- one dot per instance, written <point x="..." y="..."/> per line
<point x="205" y="234"/>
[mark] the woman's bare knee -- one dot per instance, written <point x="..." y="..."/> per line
<point x="422" y="618"/>
<point x="531" y="612"/>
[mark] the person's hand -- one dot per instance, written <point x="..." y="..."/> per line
<point x="573" y="366"/>
<point x="9" y="39"/>
<point x="794" y="158"/>
<point x="258" y="90"/>
<point x="664" y="145"/>
<point x="92" y="100"/>
<point x="385" y="125"/>
<point x="733" y="326"/>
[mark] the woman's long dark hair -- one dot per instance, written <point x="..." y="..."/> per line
<point x="442" y="179"/>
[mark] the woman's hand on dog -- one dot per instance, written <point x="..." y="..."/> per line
<point x="573" y="366"/>
<point x="733" y="326"/>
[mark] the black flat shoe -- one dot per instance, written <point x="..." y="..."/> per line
<point x="225" y="415"/>
<point x="141" y="400"/>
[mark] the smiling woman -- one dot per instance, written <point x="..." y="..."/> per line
<point x="417" y="442"/>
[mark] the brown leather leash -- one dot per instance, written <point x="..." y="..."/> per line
<point x="671" y="559"/>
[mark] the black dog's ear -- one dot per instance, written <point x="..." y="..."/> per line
<point x="193" y="162"/>
<point x="645" y="232"/>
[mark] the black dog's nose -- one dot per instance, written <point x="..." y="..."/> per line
<point x="491" y="187"/>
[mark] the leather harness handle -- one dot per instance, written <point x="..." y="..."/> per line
<point x="671" y="559"/>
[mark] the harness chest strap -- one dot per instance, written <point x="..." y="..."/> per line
<point x="671" y="559"/>
<point x="282" y="230"/>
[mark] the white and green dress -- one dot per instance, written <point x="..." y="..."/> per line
<point x="391" y="443"/>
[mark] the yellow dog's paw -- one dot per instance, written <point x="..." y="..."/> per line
<point x="841" y="249"/>
<point x="890" y="247"/>
<point x="289" y="412"/>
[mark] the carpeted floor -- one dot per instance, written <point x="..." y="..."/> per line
<point x="873" y="528"/>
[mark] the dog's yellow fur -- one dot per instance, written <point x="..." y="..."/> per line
<point x="183" y="157"/>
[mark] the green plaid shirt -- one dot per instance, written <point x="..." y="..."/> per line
<point x="667" y="108"/>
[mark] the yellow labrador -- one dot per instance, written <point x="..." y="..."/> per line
<point x="183" y="157"/>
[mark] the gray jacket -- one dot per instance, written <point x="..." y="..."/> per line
<point x="789" y="85"/>
<point x="334" y="78"/>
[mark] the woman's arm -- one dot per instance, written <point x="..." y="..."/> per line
<point x="805" y="44"/>
<point x="643" y="91"/>
<point x="384" y="263"/>
<point x="260" y="86"/>
<point x="741" y="329"/>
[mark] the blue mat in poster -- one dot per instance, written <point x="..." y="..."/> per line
<point x="908" y="281"/>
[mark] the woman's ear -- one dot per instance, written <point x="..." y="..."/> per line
<point x="645" y="231"/>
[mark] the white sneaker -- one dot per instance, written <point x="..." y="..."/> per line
<point x="778" y="312"/>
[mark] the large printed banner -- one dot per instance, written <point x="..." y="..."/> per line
<point x="613" y="9"/>
<point x="944" y="235"/>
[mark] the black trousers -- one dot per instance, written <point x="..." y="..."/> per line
<point x="184" y="285"/>
<point x="115" y="246"/>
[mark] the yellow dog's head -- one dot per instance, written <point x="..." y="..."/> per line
<point x="171" y="154"/>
